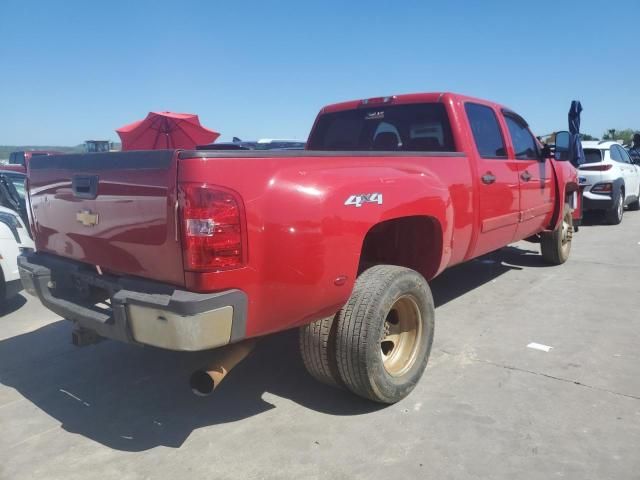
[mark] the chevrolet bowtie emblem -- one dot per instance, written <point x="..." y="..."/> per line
<point x="86" y="218"/>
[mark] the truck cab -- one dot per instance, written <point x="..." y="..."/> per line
<point x="18" y="161"/>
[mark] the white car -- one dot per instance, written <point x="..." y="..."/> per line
<point x="14" y="238"/>
<point x="610" y="180"/>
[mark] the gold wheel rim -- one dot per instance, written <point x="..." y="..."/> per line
<point x="401" y="336"/>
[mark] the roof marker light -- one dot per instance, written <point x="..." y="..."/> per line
<point x="378" y="100"/>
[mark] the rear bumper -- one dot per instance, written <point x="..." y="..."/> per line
<point x="592" y="201"/>
<point x="135" y="310"/>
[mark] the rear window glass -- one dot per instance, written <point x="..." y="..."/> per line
<point x="416" y="128"/>
<point x="592" y="155"/>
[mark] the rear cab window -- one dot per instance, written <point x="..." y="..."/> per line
<point x="486" y="130"/>
<point x="592" y="155"/>
<point x="422" y="127"/>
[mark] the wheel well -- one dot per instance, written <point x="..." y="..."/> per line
<point x="412" y="242"/>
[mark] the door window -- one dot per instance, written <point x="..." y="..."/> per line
<point x="486" y="131"/>
<point x="625" y="156"/>
<point x="16" y="158"/>
<point x="523" y="142"/>
<point x="615" y="154"/>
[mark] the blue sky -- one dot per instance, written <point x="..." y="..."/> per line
<point x="73" y="70"/>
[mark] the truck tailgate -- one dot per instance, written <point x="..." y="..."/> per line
<point x="115" y="210"/>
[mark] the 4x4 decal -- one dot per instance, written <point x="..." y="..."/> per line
<point x="359" y="200"/>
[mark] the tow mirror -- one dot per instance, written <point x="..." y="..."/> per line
<point x="545" y="152"/>
<point x="563" y="140"/>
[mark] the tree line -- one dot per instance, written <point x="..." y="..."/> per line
<point x="626" y="135"/>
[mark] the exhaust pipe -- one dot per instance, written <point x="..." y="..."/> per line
<point x="204" y="382"/>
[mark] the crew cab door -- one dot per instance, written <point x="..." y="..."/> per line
<point x="535" y="176"/>
<point x="497" y="181"/>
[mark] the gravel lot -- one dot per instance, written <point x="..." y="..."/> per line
<point x="487" y="407"/>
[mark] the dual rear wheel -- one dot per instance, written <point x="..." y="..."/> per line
<point x="378" y="345"/>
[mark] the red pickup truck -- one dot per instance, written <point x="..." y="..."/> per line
<point x="192" y="250"/>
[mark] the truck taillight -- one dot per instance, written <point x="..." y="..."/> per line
<point x="212" y="230"/>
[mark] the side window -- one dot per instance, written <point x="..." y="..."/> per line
<point x="419" y="127"/>
<point x="523" y="142"/>
<point x="615" y="154"/>
<point x="625" y="156"/>
<point x="16" y="158"/>
<point x="486" y="131"/>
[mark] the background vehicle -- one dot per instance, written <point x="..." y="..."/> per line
<point x="18" y="161"/>
<point x="340" y="240"/>
<point x="94" y="146"/>
<point x="14" y="239"/>
<point x="12" y="192"/>
<point x="610" y="180"/>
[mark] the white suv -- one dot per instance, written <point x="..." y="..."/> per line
<point x="610" y="180"/>
<point x="14" y="238"/>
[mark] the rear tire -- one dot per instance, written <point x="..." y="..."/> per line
<point x="3" y="290"/>
<point x="384" y="333"/>
<point x="615" y="214"/>
<point x="317" y="347"/>
<point x="635" y="206"/>
<point x="556" y="245"/>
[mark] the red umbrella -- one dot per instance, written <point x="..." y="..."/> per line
<point x="165" y="130"/>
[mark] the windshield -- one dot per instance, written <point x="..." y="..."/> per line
<point x="18" y="182"/>
<point x="592" y="155"/>
<point x="414" y="127"/>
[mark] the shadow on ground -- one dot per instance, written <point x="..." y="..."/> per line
<point x="12" y="305"/>
<point x="456" y="281"/>
<point x="132" y="399"/>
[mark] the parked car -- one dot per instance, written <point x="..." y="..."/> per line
<point x="14" y="239"/>
<point x="610" y="180"/>
<point x="18" y="161"/>
<point x="12" y="192"/>
<point x="340" y="240"/>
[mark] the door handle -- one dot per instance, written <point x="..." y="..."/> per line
<point x="488" y="178"/>
<point x="525" y="176"/>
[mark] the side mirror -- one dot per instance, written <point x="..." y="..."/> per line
<point x="563" y="145"/>
<point x="545" y="152"/>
